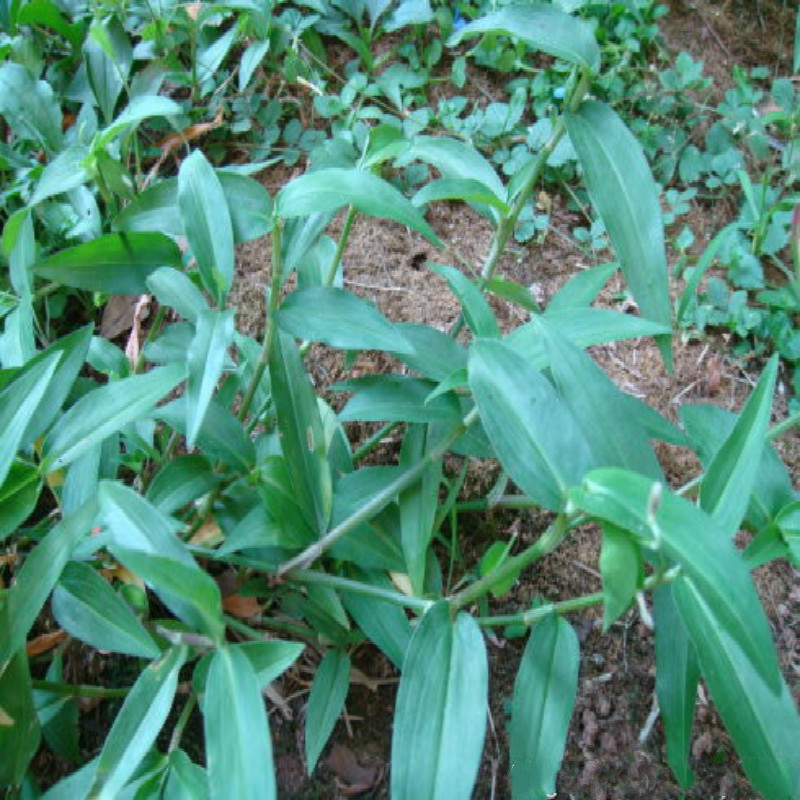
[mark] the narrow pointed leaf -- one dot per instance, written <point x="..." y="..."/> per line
<point x="533" y="431"/>
<point x="476" y="309"/>
<point x="207" y="222"/>
<point x="106" y="410"/>
<point x="694" y="540"/>
<point x="238" y="747"/>
<point x="64" y="173"/>
<point x="181" y="481"/>
<point x="582" y="288"/>
<point x="86" y="607"/>
<point x="18" y="496"/>
<point x="466" y="189"/>
<point x="301" y="431"/>
<point x="325" y="703"/>
<point x="731" y="476"/>
<point x="624" y="194"/>
<point x="19" y="738"/>
<point x="340" y="319"/>
<point x="440" y="717"/>
<point x="117" y="263"/>
<point x="205" y="361"/>
<point x="187" y="780"/>
<point x="139" y="109"/>
<point x="677" y="674"/>
<point x="544" y="696"/>
<point x="29" y="107"/>
<point x="137" y="725"/>
<point x="762" y="721"/>
<point x="621" y="570"/>
<point x="435" y="354"/>
<point x="331" y="189"/>
<point x="176" y="290"/>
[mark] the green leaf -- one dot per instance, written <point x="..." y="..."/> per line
<point x="622" y="572"/>
<point x="18" y="496"/>
<point x="117" y="263"/>
<point x="582" y="288"/>
<point x="533" y="431"/>
<point x="205" y="360"/>
<point x="614" y="435"/>
<point x="418" y="504"/>
<point x="106" y="410"/>
<point x="19" y="738"/>
<point x="207" y="223"/>
<point x="107" y="54"/>
<point x="384" y="623"/>
<point x="541" y="27"/>
<point x="137" y="725"/>
<point x="156" y="208"/>
<point x="301" y="430"/>
<point x="544" y="696"/>
<point x="466" y="189"/>
<point x="396" y="398"/>
<point x="29" y="107"/>
<point x="19" y="402"/>
<point x="325" y="703"/>
<point x="136" y="524"/>
<point x="180" y="482"/>
<point x="38" y="575"/>
<point x="139" y="109"/>
<point x="624" y="194"/>
<point x="788" y="523"/>
<point x="238" y="748"/>
<point x="687" y="535"/>
<point x="271" y="659"/>
<point x="435" y="354"/>
<point x="251" y="58"/>
<point x="191" y="594"/>
<point x="58" y="715"/>
<point x="730" y="477"/>
<point x="677" y="674"/>
<point x="477" y="312"/>
<point x="186" y="780"/>
<point x="89" y="609"/>
<point x="440" y="717"/>
<point x="340" y="319"/>
<point x="762" y="720"/>
<point x="331" y="189"/>
<point x="64" y="173"/>
<point x="221" y="434"/>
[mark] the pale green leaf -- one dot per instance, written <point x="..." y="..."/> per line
<point x="325" y="703"/>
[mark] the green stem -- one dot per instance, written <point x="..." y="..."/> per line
<point x="379" y="500"/>
<point x="782" y="427"/>
<point x="155" y="329"/>
<point x="78" y="690"/>
<point x="272" y="623"/>
<point x="356" y="587"/>
<point x="374" y="440"/>
<point x="546" y="543"/>
<point x="272" y="310"/>
<point x="340" y="247"/>
<point x="505" y="501"/>
<point x="180" y="725"/>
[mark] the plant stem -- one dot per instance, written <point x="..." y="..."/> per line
<point x="379" y="500"/>
<point x="340" y="247"/>
<point x="78" y="690"/>
<point x="269" y="332"/>
<point x="155" y="328"/>
<point x="505" y="501"/>
<point x="374" y="440"/>
<point x="180" y="725"/>
<point x="546" y="543"/>
<point x="357" y="587"/>
<point x="781" y="428"/>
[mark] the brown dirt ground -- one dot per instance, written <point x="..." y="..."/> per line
<point x="604" y="758"/>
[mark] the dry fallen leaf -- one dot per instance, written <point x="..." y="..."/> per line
<point x="353" y="778"/>
<point x="241" y="607"/>
<point x="118" y="315"/>
<point x="44" y="643"/>
<point x="208" y="534"/>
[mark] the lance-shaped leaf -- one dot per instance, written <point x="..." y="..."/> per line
<point x="762" y="720"/>
<point x="477" y="312"/>
<point x="19" y="402"/>
<point x="531" y="428"/>
<point x="37" y="577"/>
<point x="325" y="703"/>
<point x="205" y="360"/>
<point x="300" y="426"/>
<point x="207" y="223"/>
<point x="18" y="496"/>
<point x="467" y="189"/>
<point x="108" y="55"/>
<point x="340" y="319"/>
<point x="180" y="482"/>
<point x="64" y="173"/>
<point x="137" y="725"/>
<point x="544" y="695"/>
<point x="19" y="729"/>
<point x="89" y="609"/>
<point x="117" y="263"/>
<point x="624" y="193"/>
<point x="582" y="288"/>
<point x="186" y="780"/>
<point x="731" y="476"/>
<point x="191" y="594"/>
<point x="331" y="189"/>
<point x="30" y="107"/>
<point x="541" y="27"/>
<point x="622" y="571"/>
<point x="677" y="674"/>
<point x="687" y="535"/>
<point x="139" y="109"/>
<point x="440" y="718"/>
<point x="436" y="355"/>
<point x="106" y="410"/>
<point x="238" y="747"/>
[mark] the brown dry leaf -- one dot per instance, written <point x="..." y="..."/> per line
<point x="122" y="574"/>
<point x="241" y="607"/>
<point x="279" y="700"/>
<point x="44" y="643"/>
<point x="402" y="583"/>
<point x="357" y="676"/>
<point x="139" y="313"/>
<point x="174" y="140"/>
<point x="353" y="778"/>
<point x="5" y="720"/>
<point x="208" y="534"/>
<point x="117" y="315"/>
<point x="193" y="9"/>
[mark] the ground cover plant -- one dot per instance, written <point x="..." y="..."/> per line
<point x="130" y="482"/>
